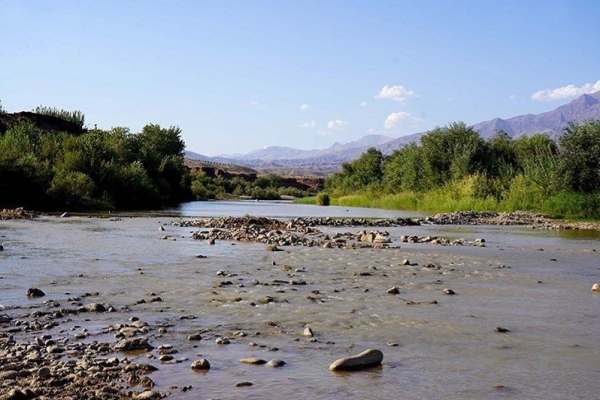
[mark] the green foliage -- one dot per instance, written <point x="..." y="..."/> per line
<point x="365" y="171"/>
<point x="76" y="117"/>
<point x="98" y="169"/>
<point x="72" y="188"/>
<point x="580" y="156"/>
<point x="265" y="187"/>
<point x="454" y="169"/>
<point x="322" y="199"/>
<point x="403" y="170"/>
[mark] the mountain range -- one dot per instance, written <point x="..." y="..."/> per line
<point x="293" y="161"/>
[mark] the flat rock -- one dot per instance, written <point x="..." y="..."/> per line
<point x="133" y="344"/>
<point x="366" y="359"/>
<point x="253" y="361"/>
<point x="148" y="395"/>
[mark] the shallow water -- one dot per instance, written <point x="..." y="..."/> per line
<point x="446" y="350"/>
<point x="269" y="209"/>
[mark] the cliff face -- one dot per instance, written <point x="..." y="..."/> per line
<point x="45" y="123"/>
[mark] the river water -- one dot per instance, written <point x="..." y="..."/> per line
<point x="535" y="283"/>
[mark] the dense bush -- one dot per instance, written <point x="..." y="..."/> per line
<point x="454" y="168"/>
<point x="112" y="169"/>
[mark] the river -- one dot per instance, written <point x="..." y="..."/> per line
<point x="535" y="283"/>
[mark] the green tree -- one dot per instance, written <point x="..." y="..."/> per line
<point x="403" y="170"/>
<point x="580" y="156"/>
<point x="451" y="153"/>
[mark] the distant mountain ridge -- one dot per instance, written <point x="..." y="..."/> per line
<point x="273" y="158"/>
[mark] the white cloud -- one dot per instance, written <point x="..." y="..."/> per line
<point x="565" y="92"/>
<point x="395" y="92"/>
<point x="363" y="104"/>
<point x="400" y="118"/>
<point x="309" y="124"/>
<point x="304" y="107"/>
<point x="337" y="125"/>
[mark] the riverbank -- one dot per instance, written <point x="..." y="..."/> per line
<point x="564" y="206"/>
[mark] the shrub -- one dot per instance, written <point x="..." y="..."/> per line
<point x="72" y="188"/>
<point x="322" y="199"/>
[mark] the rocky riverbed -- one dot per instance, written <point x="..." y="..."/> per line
<point x="303" y="232"/>
<point x="119" y="312"/>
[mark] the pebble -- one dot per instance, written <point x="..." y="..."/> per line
<point x="194" y="337"/>
<point x="596" y="287"/>
<point x="201" y="364"/>
<point x="95" y="307"/>
<point x="243" y="384"/>
<point x="43" y="373"/>
<point x="500" y="329"/>
<point x="276" y="363"/>
<point x="449" y="292"/>
<point x="366" y="359"/>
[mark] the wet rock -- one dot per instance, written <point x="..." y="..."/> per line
<point x="253" y="361"/>
<point x="393" y="290"/>
<point x="500" y="329"/>
<point x="222" y="340"/>
<point x="54" y="349"/>
<point x="406" y="262"/>
<point x="136" y="343"/>
<point x="366" y="359"/>
<point x="35" y="292"/>
<point x="276" y="363"/>
<point x="201" y="365"/>
<point x="194" y="337"/>
<point x="449" y="292"/>
<point x="243" y="384"/>
<point x="95" y="307"/>
<point x="596" y="287"/>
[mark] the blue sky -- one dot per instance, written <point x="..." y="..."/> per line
<point x="240" y="75"/>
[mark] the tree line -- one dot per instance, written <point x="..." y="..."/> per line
<point x="452" y="164"/>
<point x="104" y="169"/>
